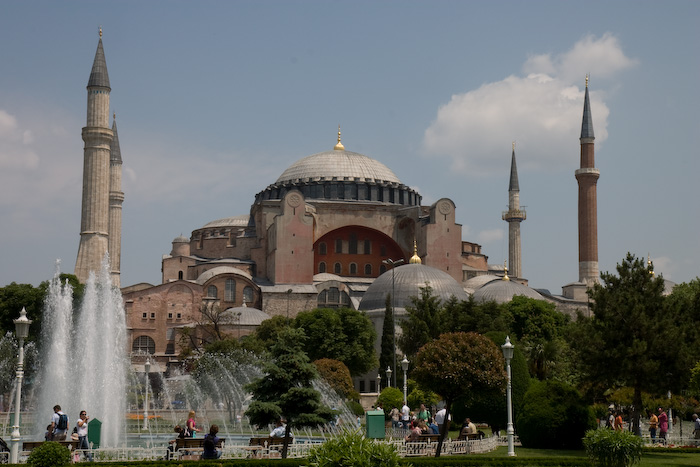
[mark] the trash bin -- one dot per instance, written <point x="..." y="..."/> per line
<point x="375" y="424"/>
<point x="94" y="432"/>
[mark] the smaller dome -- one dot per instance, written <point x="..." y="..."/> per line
<point x="181" y="239"/>
<point x="503" y="291"/>
<point x="243" y="316"/>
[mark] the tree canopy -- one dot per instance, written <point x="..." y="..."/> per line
<point x="285" y="390"/>
<point x="458" y="363"/>
<point x="341" y="334"/>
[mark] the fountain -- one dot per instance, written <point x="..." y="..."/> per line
<point x="83" y="357"/>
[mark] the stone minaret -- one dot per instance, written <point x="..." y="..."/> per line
<point x="98" y="137"/>
<point x="116" y="198"/>
<point x="514" y="216"/>
<point x="587" y="177"/>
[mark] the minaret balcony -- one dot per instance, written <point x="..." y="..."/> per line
<point x="514" y="215"/>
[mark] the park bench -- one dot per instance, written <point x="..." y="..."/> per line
<point x="258" y="445"/>
<point x="430" y="438"/>
<point x="469" y="437"/>
<point x="192" y="448"/>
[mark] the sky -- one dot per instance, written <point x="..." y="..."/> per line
<point x="215" y="99"/>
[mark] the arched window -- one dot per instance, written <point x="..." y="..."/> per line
<point x="179" y="275"/>
<point x="338" y="245"/>
<point x="333" y="298"/>
<point x="382" y="269"/>
<point x="352" y="244"/>
<point x="322" y="267"/>
<point x="353" y="269"/>
<point x="248" y="294"/>
<point x="230" y="292"/>
<point x="212" y="291"/>
<point x="337" y="268"/>
<point x="322" y="249"/>
<point x="144" y="344"/>
<point x="368" y="269"/>
<point x="368" y="247"/>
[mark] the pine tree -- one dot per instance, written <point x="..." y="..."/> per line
<point x="285" y="391"/>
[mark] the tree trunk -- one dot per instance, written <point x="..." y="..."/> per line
<point x="285" y="442"/>
<point x="636" y="407"/>
<point x="445" y="427"/>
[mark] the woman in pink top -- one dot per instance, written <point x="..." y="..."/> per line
<point x="191" y="424"/>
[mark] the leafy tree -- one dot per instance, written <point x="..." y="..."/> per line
<point x="632" y="339"/>
<point x="337" y="375"/>
<point x="423" y="322"/>
<point x="341" y="334"/>
<point x="388" y="345"/>
<point x="13" y="298"/>
<point x="418" y="396"/>
<point x="285" y="389"/>
<point x="390" y="398"/>
<point x="469" y="316"/>
<point x="554" y="416"/>
<point x="456" y="363"/>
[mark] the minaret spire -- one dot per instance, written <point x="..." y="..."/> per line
<point x="116" y="198"/>
<point x="98" y="137"/>
<point x="514" y="216"/>
<point x="587" y="177"/>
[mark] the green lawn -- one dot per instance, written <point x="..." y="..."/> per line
<point x="664" y="457"/>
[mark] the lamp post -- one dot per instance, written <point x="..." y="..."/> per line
<point x="388" y="376"/>
<point x="393" y="264"/>
<point x="508" y="355"/>
<point x="22" y="330"/>
<point x="404" y="365"/>
<point x="147" y="367"/>
<point x="379" y="383"/>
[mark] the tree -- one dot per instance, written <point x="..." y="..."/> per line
<point x="337" y="375"/>
<point x="285" y="390"/>
<point x="458" y="363"/>
<point x="13" y="298"/>
<point x="341" y="334"/>
<point x="423" y="323"/>
<point x="632" y="340"/>
<point x="388" y="345"/>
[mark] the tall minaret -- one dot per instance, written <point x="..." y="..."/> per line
<point x="94" y="220"/>
<point x="587" y="177"/>
<point x="116" y="198"/>
<point x="514" y="216"/>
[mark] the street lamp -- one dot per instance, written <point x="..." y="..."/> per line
<point x="393" y="264"/>
<point x="508" y="355"/>
<point x="22" y="330"/>
<point x="379" y="383"/>
<point x="388" y="376"/>
<point x="147" y="367"/>
<point x="404" y="365"/>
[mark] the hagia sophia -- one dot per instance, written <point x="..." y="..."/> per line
<point x="335" y="229"/>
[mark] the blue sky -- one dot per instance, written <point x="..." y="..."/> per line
<point x="215" y="99"/>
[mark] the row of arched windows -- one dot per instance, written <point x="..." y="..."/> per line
<point x="352" y="246"/>
<point x="230" y="292"/>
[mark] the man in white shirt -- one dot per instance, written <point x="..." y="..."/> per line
<point x="440" y="417"/>
<point x="406" y="417"/>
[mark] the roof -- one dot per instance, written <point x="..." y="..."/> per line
<point x="406" y="281"/>
<point x="98" y="75"/>
<point x="503" y="291"/>
<point x="244" y="316"/>
<point x="234" y="221"/>
<point x="513" y="185"/>
<point x="205" y="276"/>
<point x="115" y="154"/>
<point x="587" y="123"/>
<point x="339" y="165"/>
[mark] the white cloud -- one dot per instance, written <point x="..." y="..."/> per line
<point x="541" y="111"/>
<point x="15" y="145"/>
<point x="492" y="235"/>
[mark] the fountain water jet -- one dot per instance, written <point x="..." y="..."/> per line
<point x="84" y="360"/>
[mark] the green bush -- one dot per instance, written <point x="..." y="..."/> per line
<point x="610" y="448"/>
<point x="49" y="454"/>
<point x="353" y="450"/>
<point x="390" y="397"/>
<point x="356" y="408"/>
<point x="553" y="416"/>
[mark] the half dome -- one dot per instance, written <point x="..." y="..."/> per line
<point x="407" y="282"/>
<point x="503" y="291"/>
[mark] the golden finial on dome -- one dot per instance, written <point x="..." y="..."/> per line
<point x="339" y="146"/>
<point x="100" y="32"/>
<point x="505" y="271"/>
<point x="650" y="265"/>
<point x="587" y="76"/>
<point x="415" y="259"/>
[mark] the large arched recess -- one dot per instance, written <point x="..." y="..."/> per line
<point x="356" y="251"/>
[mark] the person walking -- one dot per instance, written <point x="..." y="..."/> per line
<point x="653" y="425"/>
<point x="663" y="424"/>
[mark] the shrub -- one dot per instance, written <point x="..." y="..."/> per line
<point x="610" y="448"/>
<point x="554" y="416"/>
<point x="356" y="408"/>
<point x="353" y="450"/>
<point x="389" y="398"/>
<point x="49" y="454"/>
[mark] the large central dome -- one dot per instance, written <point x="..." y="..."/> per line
<point x="337" y="165"/>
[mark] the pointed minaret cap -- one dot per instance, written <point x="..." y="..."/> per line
<point x="115" y="154"/>
<point x="98" y="75"/>
<point x="415" y="259"/>
<point x="505" y="271"/>
<point x="587" y="124"/>
<point x="514" y="185"/>
<point x="339" y="146"/>
<point x="650" y="265"/>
